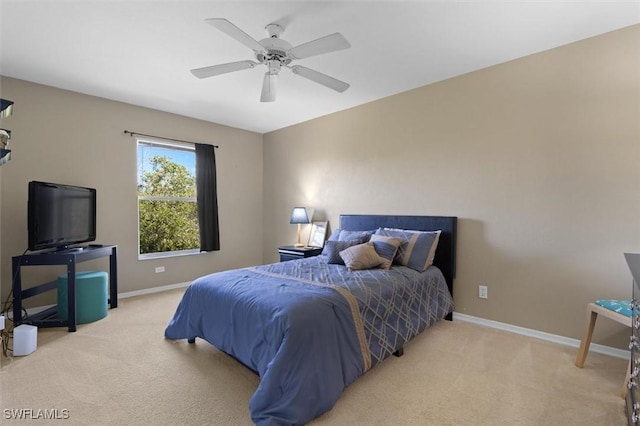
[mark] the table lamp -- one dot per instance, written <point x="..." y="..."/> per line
<point x="299" y="216"/>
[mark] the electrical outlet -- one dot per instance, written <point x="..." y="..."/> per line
<point x="483" y="292"/>
<point x="159" y="269"/>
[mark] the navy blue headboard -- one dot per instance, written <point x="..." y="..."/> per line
<point x="445" y="258"/>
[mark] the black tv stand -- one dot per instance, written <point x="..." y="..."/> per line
<point x="70" y="257"/>
<point x="69" y="250"/>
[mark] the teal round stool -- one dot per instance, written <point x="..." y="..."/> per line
<point x="92" y="296"/>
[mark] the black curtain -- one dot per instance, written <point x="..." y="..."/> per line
<point x="207" y="197"/>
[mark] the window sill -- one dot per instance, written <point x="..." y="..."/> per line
<point x="165" y="254"/>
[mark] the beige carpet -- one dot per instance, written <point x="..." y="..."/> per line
<point x="121" y="370"/>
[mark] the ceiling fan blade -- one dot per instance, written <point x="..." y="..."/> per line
<point x="269" y="85"/>
<point x="326" y="44"/>
<point x="234" y="32"/>
<point x="222" y="68"/>
<point x="318" y="77"/>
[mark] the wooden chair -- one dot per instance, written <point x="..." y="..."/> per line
<point x="621" y="314"/>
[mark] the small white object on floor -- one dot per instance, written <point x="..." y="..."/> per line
<point x="25" y="339"/>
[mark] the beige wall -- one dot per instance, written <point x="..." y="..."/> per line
<point x="538" y="157"/>
<point x="66" y="137"/>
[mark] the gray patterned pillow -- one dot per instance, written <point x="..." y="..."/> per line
<point x="361" y="256"/>
<point x="386" y="247"/>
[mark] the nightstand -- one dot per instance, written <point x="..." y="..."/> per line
<point x="293" y="252"/>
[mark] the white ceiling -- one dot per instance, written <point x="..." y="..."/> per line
<point x="140" y="52"/>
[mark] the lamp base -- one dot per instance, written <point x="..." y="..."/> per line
<point x="299" y="243"/>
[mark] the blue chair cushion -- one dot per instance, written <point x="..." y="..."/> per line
<point x="622" y="307"/>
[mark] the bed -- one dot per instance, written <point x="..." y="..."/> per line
<point x="310" y="327"/>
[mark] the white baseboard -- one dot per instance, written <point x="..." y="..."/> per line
<point x="575" y="343"/>
<point x="152" y="290"/>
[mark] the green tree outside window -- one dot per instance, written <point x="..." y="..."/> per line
<point x="168" y="219"/>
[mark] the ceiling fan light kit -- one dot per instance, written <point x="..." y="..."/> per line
<point x="276" y="53"/>
<point x="269" y="87"/>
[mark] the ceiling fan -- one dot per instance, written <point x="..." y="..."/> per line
<point x="276" y="53"/>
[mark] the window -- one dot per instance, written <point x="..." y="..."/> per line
<point x="167" y="207"/>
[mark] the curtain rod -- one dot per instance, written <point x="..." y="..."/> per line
<point x="126" y="132"/>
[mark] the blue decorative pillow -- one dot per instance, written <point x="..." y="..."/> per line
<point x="342" y="235"/>
<point x="418" y="248"/>
<point x="333" y="248"/>
<point x="355" y="235"/>
<point x="386" y="247"/>
<point x="335" y="234"/>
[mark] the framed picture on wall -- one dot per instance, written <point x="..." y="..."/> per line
<point x="318" y="234"/>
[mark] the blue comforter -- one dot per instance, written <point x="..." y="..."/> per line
<point x="308" y="328"/>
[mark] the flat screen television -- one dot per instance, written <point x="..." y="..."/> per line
<point x="60" y="215"/>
